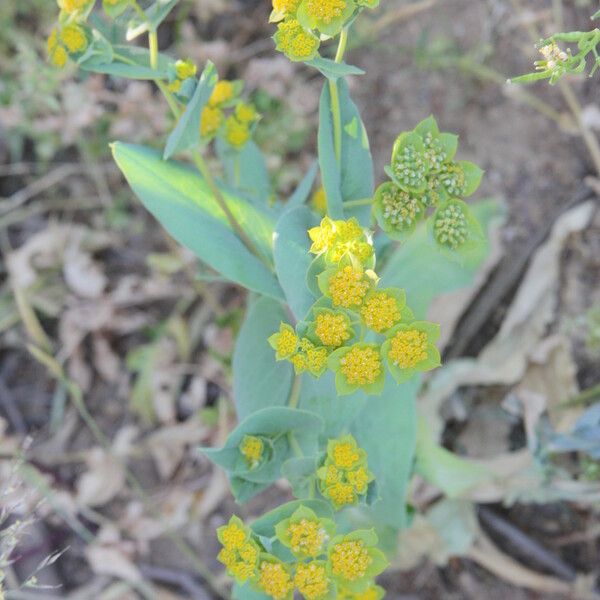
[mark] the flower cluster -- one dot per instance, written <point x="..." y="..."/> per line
<point x="426" y="179"/>
<point x="556" y="62"/>
<point x="344" y="475"/>
<point x="323" y="566"/>
<point x="225" y="115"/>
<point x="237" y="126"/>
<point x="352" y="305"/>
<point x="302" y="24"/>
<point x="71" y="38"/>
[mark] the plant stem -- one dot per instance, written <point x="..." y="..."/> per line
<point x="359" y="202"/>
<point x="295" y="392"/>
<point x="335" y="100"/>
<point x="153" y="43"/>
<point x="199" y="160"/>
<point x="207" y="175"/>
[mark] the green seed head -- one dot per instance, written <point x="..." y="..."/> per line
<point x="400" y="209"/>
<point x="410" y="167"/>
<point x="452" y="177"/>
<point x="450" y="227"/>
<point x="435" y="154"/>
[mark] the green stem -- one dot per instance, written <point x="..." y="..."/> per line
<point x="199" y="160"/>
<point x="583" y="397"/>
<point x="335" y="100"/>
<point x="359" y="202"/>
<point x="153" y="44"/>
<point x="295" y="392"/>
<point x="140" y="11"/>
<point x="207" y="175"/>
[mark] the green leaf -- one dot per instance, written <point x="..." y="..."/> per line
<point x="114" y="10"/>
<point x="300" y="472"/>
<point x="156" y="14"/>
<point x="386" y="429"/>
<point x="529" y="77"/>
<point x="271" y="425"/>
<point x="187" y="131"/>
<point x="302" y="192"/>
<point x="246" y="592"/>
<point x="333" y="70"/>
<point x="425" y="273"/>
<point x="258" y="380"/>
<point x="125" y="61"/>
<point x="319" y="396"/>
<point x="452" y="474"/>
<point x="292" y="259"/>
<point x="473" y="175"/>
<point x="355" y="179"/>
<point x="246" y="170"/>
<point x="265" y="525"/>
<point x="456" y="523"/>
<point x="181" y="200"/>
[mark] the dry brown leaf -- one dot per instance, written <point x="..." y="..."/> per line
<point x="552" y="374"/>
<point x="112" y="561"/>
<point x="504" y="360"/>
<point x="45" y="249"/>
<point x="105" y="477"/>
<point x="168" y="445"/>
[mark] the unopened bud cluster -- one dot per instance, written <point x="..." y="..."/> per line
<point x="427" y="183"/>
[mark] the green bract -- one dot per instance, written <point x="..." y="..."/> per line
<point x="357" y="367"/>
<point x="353" y="560"/>
<point x="326" y="16"/>
<point x="305" y="534"/>
<point x="411" y="348"/>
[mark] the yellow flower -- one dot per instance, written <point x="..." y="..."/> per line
<point x="70" y="6"/>
<point x="319" y="201"/>
<point x="285" y="341"/>
<point x="359" y="480"/>
<point x="236" y="133"/>
<point x="210" y="121"/>
<point x="252" y="449"/>
<point x="306" y="537"/>
<point x="323" y="236"/>
<point x="332" y="475"/>
<point x="332" y="329"/>
<point x="239" y="553"/>
<point x="300" y="363"/>
<point x="175" y="86"/>
<point x="311" y="580"/>
<point x="374" y="592"/>
<point x="185" y="69"/>
<point x="341" y="494"/>
<point x="317" y="360"/>
<point x="325" y="11"/>
<point x="380" y="312"/>
<point x="245" y="113"/>
<point x="223" y="92"/>
<point x="73" y="37"/>
<point x="348" y="287"/>
<point x="233" y="536"/>
<point x="350" y="560"/>
<point x="361" y="366"/>
<point x="58" y="57"/>
<point x="345" y="455"/>
<point x="294" y="41"/>
<point x="275" y="580"/>
<point x="285" y="7"/>
<point x="408" y="348"/>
